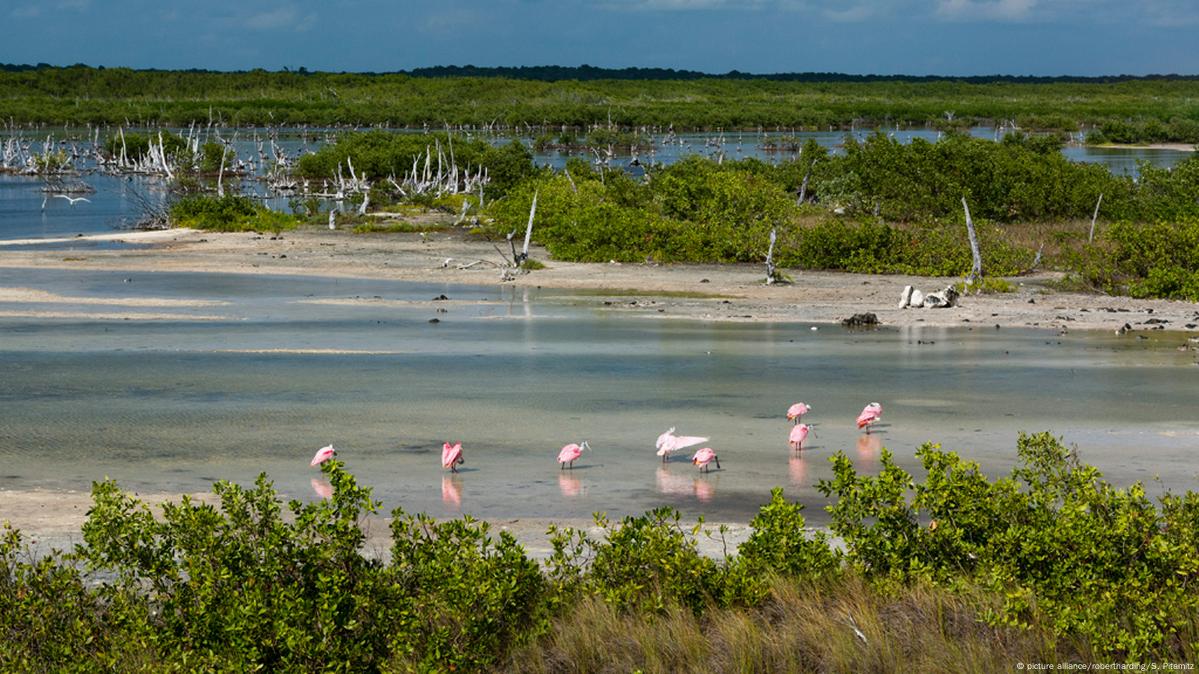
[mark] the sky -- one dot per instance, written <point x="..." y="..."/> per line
<point x="917" y="37"/>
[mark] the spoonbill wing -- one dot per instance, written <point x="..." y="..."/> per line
<point x="684" y="441"/>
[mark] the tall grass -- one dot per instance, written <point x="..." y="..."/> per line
<point x="804" y="626"/>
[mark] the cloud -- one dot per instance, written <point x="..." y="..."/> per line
<point x="33" y="11"/>
<point x="832" y="10"/>
<point x="985" y="10"/>
<point x="1171" y="13"/>
<point x="281" y="18"/>
<point x="684" y="5"/>
<point x="851" y="14"/>
<point x="452" y="21"/>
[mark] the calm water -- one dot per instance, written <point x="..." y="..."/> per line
<point x="514" y="375"/>
<point x="118" y="202"/>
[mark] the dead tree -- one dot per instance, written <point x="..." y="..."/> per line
<point x="519" y="258"/>
<point x="976" y="271"/>
<point x="771" y="272"/>
<point x="1094" y="216"/>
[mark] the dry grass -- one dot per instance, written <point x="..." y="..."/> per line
<point x="805" y="627"/>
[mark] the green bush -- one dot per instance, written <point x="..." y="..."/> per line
<point x="875" y="247"/>
<point x="230" y="213"/>
<point x="1144" y="260"/>
<point x="1053" y="539"/>
<point x="379" y="154"/>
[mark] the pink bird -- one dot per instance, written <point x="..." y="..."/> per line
<point x="451" y="456"/>
<point x="570" y="453"/>
<point x="799" y="433"/>
<point x="322" y="455"/>
<point x="705" y="456"/>
<point x="668" y="443"/>
<point x="870" y="415"/>
<point x="795" y="412"/>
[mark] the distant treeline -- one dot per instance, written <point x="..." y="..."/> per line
<point x="555" y="73"/>
<point x="1125" y="109"/>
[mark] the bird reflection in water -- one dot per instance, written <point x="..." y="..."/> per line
<point x="569" y="485"/>
<point x="451" y="491"/>
<point x="702" y="488"/>
<point x="322" y="488"/>
<point x="868" y="449"/>
<point x="798" y="469"/>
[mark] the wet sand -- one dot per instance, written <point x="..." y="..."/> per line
<point x="703" y="292"/>
<point x="52" y="520"/>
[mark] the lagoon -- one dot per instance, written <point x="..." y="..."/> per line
<point x="234" y="374"/>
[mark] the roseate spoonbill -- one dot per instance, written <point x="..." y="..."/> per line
<point x="799" y="433"/>
<point x="703" y="457"/>
<point x="668" y="443"/>
<point x="870" y="415"/>
<point x="570" y="453"/>
<point x="451" y="456"/>
<point x="795" y="412"/>
<point x="322" y="455"/>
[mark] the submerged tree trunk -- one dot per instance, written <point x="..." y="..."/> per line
<point x="976" y="272"/>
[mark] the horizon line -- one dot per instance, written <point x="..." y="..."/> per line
<point x="547" y="72"/>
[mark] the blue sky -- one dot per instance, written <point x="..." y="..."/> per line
<point x="950" y="37"/>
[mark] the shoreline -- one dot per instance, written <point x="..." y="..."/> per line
<point x="52" y="519"/>
<point x="1173" y="147"/>
<point x="707" y="292"/>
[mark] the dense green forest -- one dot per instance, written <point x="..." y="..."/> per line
<point x="1125" y="110"/>
<point x="954" y="572"/>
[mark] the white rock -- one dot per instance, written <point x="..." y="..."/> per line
<point x="906" y="298"/>
<point x="916" y="299"/>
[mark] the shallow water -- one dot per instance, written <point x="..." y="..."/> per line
<point x="514" y="375"/>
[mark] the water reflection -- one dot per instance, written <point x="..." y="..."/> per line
<point x="702" y="488"/>
<point x="569" y="485"/>
<point x="451" y="491"/>
<point x="671" y="484"/>
<point x="322" y="488"/>
<point x="797" y="468"/>
<point x="869" y="445"/>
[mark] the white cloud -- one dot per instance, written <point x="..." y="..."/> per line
<point x="281" y="18"/>
<point x="684" y="5"/>
<point x="985" y="10"/>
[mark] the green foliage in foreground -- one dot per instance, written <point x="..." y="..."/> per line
<point x="252" y="584"/>
<point x="229" y="213"/>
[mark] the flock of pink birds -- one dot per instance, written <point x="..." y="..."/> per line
<point x="667" y="444"/>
